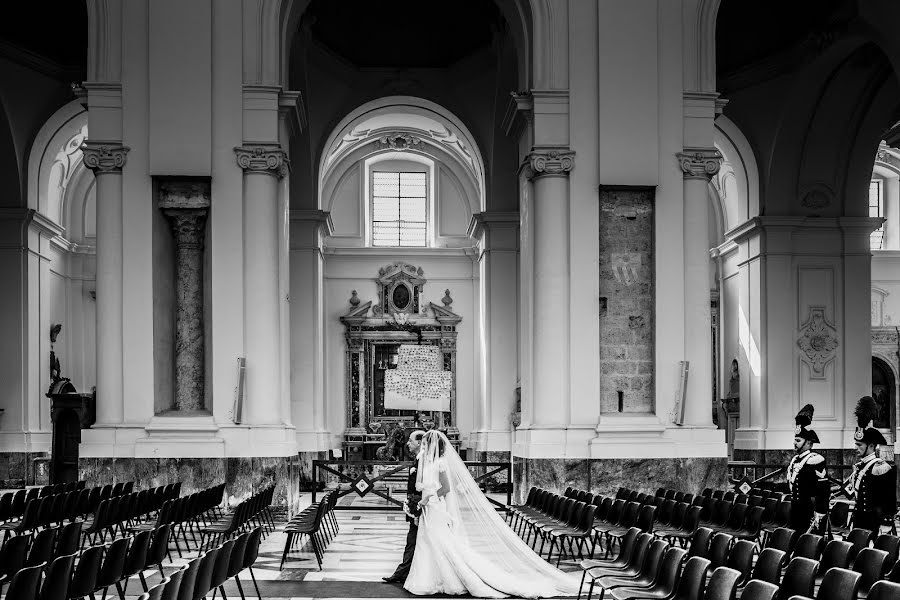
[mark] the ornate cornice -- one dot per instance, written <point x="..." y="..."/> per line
<point x="104" y="157"/>
<point x="699" y="163"/>
<point x="549" y="162"/>
<point x="263" y="158"/>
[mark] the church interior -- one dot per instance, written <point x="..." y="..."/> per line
<point x="608" y="247"/>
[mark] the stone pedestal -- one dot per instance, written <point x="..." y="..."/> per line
<point x="186" y="203"/>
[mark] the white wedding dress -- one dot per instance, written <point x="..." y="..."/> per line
<point x="464" y="546"/>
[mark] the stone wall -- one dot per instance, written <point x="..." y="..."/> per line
<point x="18" y="469"/>
<point x="605" y="476"/>
<point x="243" y="477"/>
<point x="626" y="299"/>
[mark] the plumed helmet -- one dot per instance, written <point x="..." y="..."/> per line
<point x="803" y="420"/>
<point x="865" y="413"/>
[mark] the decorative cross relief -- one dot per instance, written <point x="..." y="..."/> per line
<point x="818" y="341"/>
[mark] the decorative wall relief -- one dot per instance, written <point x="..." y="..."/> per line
<point x="818" y="341"/>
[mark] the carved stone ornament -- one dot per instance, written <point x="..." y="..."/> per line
<point x="104" y="157"/>
<point x="549" y="162"/>
<point x="699" y="163"/>
<point x="882" y="154"/>
<point x="265" y="158"/>
<point x="399" y="141"/>
<point x="885" y="337"/>
<point x="818" y="341"/>
<point x="817" y="197"/>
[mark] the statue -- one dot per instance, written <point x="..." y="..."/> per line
<point x="55" y="368"/>
<point x="393" y="449"/>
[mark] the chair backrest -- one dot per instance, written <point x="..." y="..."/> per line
<point x="69" y="538"/>
<point x="809" y="545"/>
<point x="759" y="590"/>
<point x="890" y="544"/>
<point x="720" y="511"/>
<point x="839" y="584"/>
<point x="13" y="556"/>
<point x="56" y="584"/>
<point x="691" y="519"/>
<point x="42" y="548"/>
<point x="769" y="507"/>
<point x="677" y="518"/>
<point x="171" y="589"/>
<point x="653" y="559"/>
<point x="722" y="584"/>
<point x="669" y="570"/>
<point x="629" y="515"/>
<point x="736" y="518"/>
<point x="871" y="564"/>
<point x="693" y="577"/>
<point x="718" y="549"/>
<point x="799" y="578"/>
<point x="137" y="553"/>
<point x="114" y="565"/>
<point x="639" y="552"/>
<point x="836" y="554"/>
<point x="884" y="590"/>
<point x="159" y="545"/>
<point x="741" y="559"/>
<point x="859" y="539"/>
<point x="782" y="539"/>
<point x="253" y="540"/>
<point x="664" y="514"/>
<point x="768" y="565"/>
<point x="25" y="582"/>
<point x="700" y="542"/>
<point x="223" y="560"/>
<point x="203" y="581"/>
<point x="645" y="518"/>
<point x="84" y="581"/>
<point x="156" y="592"/>
<point x="189" y="579"/>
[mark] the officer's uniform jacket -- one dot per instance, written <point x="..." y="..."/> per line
<point x="873" y="485"/>
<point x="810" y="488"/>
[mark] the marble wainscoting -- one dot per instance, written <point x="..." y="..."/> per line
<point x="18" y="469"/>
<point x="605" y="476"/>
<point x="243" y="476"/>
<point x="498" y="481"/>
<point x="306" y="469"/>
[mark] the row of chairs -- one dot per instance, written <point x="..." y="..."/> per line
<point x="98" y="568"/>
<point x="29" y="550"/>
<point x="184" y="514"/>
<point x="317" y="522"/>
<point x="210" y="570"/>
<point x="255" y="511"/>
<point x="647" y="568"/>
<point x="557" y="519"/>
<point x="12" y="504"/>
<point x="114" y="515"/>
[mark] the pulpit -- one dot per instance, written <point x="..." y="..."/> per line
<point x="70" y="412"/>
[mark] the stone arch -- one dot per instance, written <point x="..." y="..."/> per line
<point x="738" y="180"/>
<point x="851" y="85"/>
<point x="436" y="132"/>
<point x="55" y="164"/>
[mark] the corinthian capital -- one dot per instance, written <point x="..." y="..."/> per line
<point x="104" y="157"/>
<point x="699" y="163"/>
<point x="263" y="158"/>
<point x="549" y="162"/>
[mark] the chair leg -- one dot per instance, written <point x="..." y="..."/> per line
<point x="143" y="581"/>
<point x="253" y="577"/>
<point x="239" y="587"/>
<point x="121" y="590"/>
<point x="287" y="545"/>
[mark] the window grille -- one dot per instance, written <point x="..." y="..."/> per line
<point x="399" y="209"/>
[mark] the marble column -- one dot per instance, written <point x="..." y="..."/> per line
<point x="263" y="165"/>
<point x="549" y="172"/>
<point x="106" y="159"/>
<point x="698" y="165"/>
<point x="185" y="205"/>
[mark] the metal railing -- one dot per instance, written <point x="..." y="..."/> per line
<point x="360" y="483"/>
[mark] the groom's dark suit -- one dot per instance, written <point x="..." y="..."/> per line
<point x="412" y="502"/>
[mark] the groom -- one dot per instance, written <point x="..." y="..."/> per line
<point x="412" y="510"/>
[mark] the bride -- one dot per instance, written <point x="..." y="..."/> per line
<point x="463" y="545"/>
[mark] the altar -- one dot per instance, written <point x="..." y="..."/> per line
<point x="401" y="365"/>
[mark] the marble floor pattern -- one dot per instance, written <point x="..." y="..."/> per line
<point x="368" y="547"/>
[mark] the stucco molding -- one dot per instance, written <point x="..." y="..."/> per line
<point x="699" y="163"/>
<point x="104" y="157"/>
<point x="263" y="158"/>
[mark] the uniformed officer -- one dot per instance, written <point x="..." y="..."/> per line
<point x="873" y="481"/>
<point x="807" y="477"/>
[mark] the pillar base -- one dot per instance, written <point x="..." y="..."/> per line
<point x="630" y="435"/>
<point x="491" y="440"/>
<point x="313" y="441"/>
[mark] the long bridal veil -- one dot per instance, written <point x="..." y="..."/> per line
<point x="479" y="525"/>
